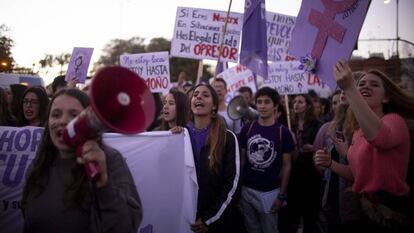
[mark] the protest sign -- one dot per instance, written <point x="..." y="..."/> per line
<point x="286" y="78"/>
<point x="17" y="150"/>
<point x="319" y="86"/>
<point x="162" y="166"/>
<point x="279" y="33"/>
<point x="78" y="64"/>
<point x="236" y="77"/>
<point x="154" y="68"/>
<point x="198" y="33"/>
<point x="326" y="31"/>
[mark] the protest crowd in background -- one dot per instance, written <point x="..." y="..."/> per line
<point x="296" y="162"/>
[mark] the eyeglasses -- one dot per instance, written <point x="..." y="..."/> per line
<point x="30" y="101"/>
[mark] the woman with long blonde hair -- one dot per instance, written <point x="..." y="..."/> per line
<point x="380" y="150"/>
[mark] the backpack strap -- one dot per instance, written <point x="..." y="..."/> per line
<point x="250" y="127"/>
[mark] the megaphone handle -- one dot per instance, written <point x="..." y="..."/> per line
<point x="90" y="167"/>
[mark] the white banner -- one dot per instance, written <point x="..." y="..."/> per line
<point x="286" y="78"/>
<point x="197" y="34"/>
<point x="154" y="68"/>
<point x="161" y="163"/>
<point x="163" y="168"/>
<point x="279" y="34"/>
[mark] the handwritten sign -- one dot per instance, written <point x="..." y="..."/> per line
<point x="235" y="78"/>
<point x="197" y="34"/>
<point x="78" y="65"/>
<point x="319" y="86"/>
<point x="327" y="30"/>
<point x="279" y="33"/>
<point x="286" y="78"/>
<point x="154" y="68"/>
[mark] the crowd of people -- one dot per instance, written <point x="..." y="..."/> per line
<point x="342" y="166"/>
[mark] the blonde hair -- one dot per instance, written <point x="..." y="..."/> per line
<point x="400" y="102"/>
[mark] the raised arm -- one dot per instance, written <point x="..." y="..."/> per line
<point x="368" y="120"/>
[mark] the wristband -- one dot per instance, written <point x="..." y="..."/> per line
<point x="282" y="197"/>
<point x="330" y="165"/>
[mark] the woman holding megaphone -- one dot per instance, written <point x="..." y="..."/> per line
<point x="59" y="197"/>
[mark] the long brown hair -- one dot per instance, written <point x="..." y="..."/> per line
<point x="309" y="113"/>
<point x="43" y="99"/>
<point x="182" y="109"/>
<point x="6" y="118"/>
<point x="47" y="153"/>
<point x="216" y="139"/>
<point x="344" y="114"/>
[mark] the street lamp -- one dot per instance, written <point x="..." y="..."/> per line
<point x="397" y="36"/>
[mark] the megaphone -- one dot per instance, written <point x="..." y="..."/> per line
<point x="238" y="108"/>
<point x="120" y="101"/>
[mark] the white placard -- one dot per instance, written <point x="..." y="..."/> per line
<point x="286" y="78"/>
<point x="197" y="34"/>
<point x="154" y="68"/>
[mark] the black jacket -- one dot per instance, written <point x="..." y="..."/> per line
<point x="219" y="191"/>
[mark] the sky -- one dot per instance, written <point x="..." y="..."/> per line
<point x="40" y="27"/>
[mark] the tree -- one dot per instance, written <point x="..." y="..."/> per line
<point x="62" y="59"/>
<point x="117" y="47"/>
<point x="51" y="60"/>
<point x="6" y="44"/>
<point x="47" y="61"/>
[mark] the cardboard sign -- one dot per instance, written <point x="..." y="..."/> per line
<point x="286" y="78"/>
<point x="279" y="33"/>
<point x="327" y="30"/>
<point x="154" y="68"/>
<point x="78" y="65"/>
<point x="198" y="33"/>
<point x="235" y="78"/>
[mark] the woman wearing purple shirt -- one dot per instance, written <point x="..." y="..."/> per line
<point x="217" y="160"/>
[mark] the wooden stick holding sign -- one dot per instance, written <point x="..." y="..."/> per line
<point x="199" y="72"/>
<point x="287" y="112"/>
<point x="222" y="40"/>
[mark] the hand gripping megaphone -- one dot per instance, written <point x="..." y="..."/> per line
<point x="238" y="108"/>
<point x="120" y="101"/>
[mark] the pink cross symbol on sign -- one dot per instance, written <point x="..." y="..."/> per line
<point x="326" y="24"/>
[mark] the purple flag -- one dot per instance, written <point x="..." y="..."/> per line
<point x="254" y="38"/>
<point x="222" y="66"/>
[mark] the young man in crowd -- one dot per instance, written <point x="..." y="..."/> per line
<point x="266" y="146"/>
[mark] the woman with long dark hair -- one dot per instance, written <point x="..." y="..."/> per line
<point x="33" y="107"/>
<point x="59" y="197"/>
<point x="304" y="191"/>
<point x="175" y="111"/>
<point x="217" y="160"/>
<point x="6" y="118"/>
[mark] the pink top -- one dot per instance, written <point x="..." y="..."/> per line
<point x="382" y="163"/>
